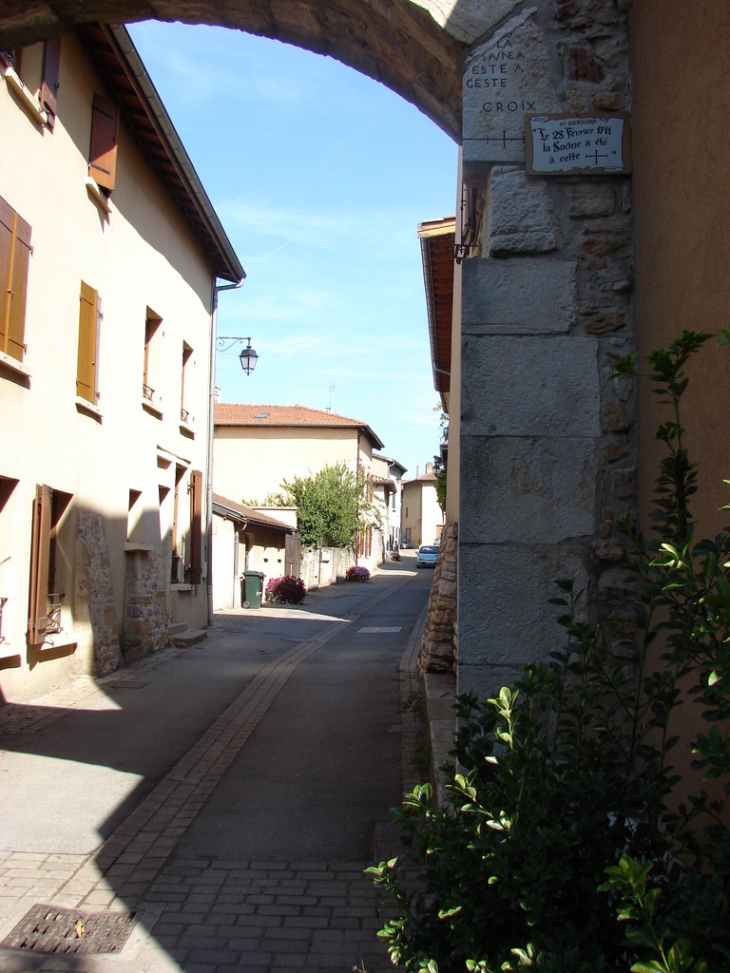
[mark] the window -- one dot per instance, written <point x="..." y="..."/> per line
<point x="152" y="348"/>
<point x="196" y="527"/>
<point x="187" y="366"/>
<point x="34" y="75"/>
<point x="46" y="598"/>
<point x="87" y="372"/>
<point x="187" y="547"/>
<point x="15" y="250"/>
<point x="103" y="147"/>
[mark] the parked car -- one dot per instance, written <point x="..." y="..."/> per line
<point x="428" y="555"/>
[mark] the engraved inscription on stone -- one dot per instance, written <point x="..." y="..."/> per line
<point x="574" y="144"/>
<point x="506" y="77"/>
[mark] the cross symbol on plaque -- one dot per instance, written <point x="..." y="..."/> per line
<point x="596" y="156"/>
<point x="504" y="139"/>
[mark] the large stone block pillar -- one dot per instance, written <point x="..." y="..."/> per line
<point x="547" y="438"/>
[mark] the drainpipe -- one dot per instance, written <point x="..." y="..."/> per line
<point x="217" y="288"/>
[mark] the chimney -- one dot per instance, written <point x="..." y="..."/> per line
<point x="418" y="471"/>
<point x="429" y="468"/>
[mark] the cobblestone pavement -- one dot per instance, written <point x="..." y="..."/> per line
<point x="202" y="915"/>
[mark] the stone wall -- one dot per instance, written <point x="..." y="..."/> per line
<point x="94" y="614"/>
<point x="145" y="611"/>
<point x="438" y="647"/>
<point x="547" y="438"/>
<point x="317" y="572"/>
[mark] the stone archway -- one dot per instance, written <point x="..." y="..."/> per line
<point x="547" y="452"/>
<point x="396" y="42"/>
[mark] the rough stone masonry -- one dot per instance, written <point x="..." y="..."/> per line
<point x="548" y="447"/>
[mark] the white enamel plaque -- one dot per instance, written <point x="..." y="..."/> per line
<point x="570" y="144"/>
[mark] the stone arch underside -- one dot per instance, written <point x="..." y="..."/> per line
<point x="395" y="42"/>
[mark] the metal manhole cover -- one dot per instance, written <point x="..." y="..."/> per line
<point x="50" y="929"/>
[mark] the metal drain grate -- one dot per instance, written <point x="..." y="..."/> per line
<point x="50" y="929"/>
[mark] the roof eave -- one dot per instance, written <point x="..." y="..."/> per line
<point x="210" y="232"/>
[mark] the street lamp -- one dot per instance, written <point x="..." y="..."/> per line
<point x="248" y="356"/>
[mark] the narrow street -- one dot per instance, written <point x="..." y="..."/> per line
<point x="229" y="794"/>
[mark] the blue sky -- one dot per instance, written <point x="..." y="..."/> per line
<point x="320" y="176"/>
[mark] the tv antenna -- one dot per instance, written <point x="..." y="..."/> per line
<point x="332" y="388"/>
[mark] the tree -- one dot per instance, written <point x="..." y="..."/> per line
<point x="331" y="506"/>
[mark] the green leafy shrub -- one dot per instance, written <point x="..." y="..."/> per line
<point x="565" y="776"/>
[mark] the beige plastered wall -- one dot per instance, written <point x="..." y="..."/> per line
<point x="421" y="512"/>
<point x="250" y="463"/>
<point x="680" y="63"/>
<point x="141" y="255"/>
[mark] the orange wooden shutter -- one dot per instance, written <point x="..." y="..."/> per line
<point x="39" y="563"/>
<point x="196" y="526"/>
<point x="15" y="252"/>
<point x="86" y="369"/>
<point x="103" y="150"/>
<point x="51" y="68"/>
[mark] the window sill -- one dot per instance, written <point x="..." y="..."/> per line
<point x="152" y="409"/>
<point x="83" y="405"/>
<point x="26" y="99"/>
<point x="14" y="365"/>
<point x="97" y="196"/>
<point x="181" y="587"/>
<point x="9" y="650"/>
<point x="130" y="547"/>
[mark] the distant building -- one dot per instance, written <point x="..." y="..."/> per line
<point x="258" y="447"/>
<point x="388" y="476"/>
<point x="109" y="253"/>
<point x="246" y="539"/>
<point x="422" y="518"/>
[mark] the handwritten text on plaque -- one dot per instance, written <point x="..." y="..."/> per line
<point x="565" y="144"/>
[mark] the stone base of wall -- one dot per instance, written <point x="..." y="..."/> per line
<point x="438" y="648"/>
<point x="145" y="615"/>
<point x="94" y="597"/>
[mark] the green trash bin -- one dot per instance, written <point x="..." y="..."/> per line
<point x="253" y="588"/>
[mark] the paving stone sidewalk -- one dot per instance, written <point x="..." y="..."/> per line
<point x="203" y="916"/>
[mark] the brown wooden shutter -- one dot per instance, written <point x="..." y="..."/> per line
<point x="103" y="150"/>
<point x="49" y="78"/>
<point x="39" y="563"/>
<point x="86" y="369"/>
<point x="196" y="526"/>
<point x="15" y="252"/>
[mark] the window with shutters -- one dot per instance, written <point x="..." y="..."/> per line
<point x="15" y="251"/>
<point x="185" y="381"/>
<point x="103" y="146"/>
<point x="151" y="396"/>
<point x="187" y="538"/>
<point x="33" y="72"/>
<point x="87" y="372"/>
<point x="46" y="566"/>
<point x="196" y="527"/>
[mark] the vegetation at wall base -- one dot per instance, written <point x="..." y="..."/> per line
<point x="561" y="850"/>
<point x="286" y="591"/>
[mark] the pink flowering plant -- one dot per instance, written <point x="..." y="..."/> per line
<point x="286" y="591"/>
<point x="357" y="573"/>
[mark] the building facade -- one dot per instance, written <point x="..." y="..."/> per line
<point x="422" y="517"/>
<point x="109" y="252"/>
